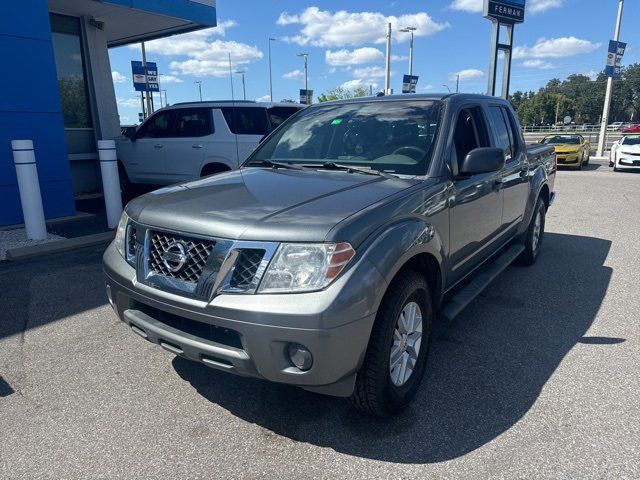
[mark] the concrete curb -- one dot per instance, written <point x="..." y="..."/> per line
<point x="33" y="251"/>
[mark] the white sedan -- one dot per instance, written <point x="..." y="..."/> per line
<point x="625" y="153"/>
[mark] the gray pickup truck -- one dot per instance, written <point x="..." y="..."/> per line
<point x="325" y="259"/>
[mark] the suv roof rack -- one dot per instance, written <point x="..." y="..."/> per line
<point x="213" y="101"/>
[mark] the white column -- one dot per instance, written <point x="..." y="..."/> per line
<point x="110" y="181"/>
<point x="24" y="160"/>
<point x="387" y="75"/>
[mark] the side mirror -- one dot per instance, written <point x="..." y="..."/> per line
<point x="482" y="160"/>
<point x="130" y="133"/>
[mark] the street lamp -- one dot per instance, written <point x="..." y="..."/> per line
<point x="410" y="30"/>
<point x="199" y="83"/>
<point x="447" y="87"/>
<point x="306" y="73"/>
<point x="244" y="90"/>
<point x="166" y="104"/>
<point x="271" y="39"/>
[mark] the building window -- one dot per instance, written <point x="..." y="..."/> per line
<point x="72" y="84"/>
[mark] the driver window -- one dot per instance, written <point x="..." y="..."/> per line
<point x="159" y="126"/>
<point x="469" y="133"/>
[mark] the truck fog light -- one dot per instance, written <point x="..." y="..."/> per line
<point x="109" y="294"/>
<point x="300" y="356"/>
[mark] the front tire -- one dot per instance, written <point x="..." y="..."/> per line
<point x="395" y="360"/>
<point x="534" y="236"/>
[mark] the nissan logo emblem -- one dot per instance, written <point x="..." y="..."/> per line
<point x="175" y="256"/>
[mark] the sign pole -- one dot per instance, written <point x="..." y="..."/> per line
<point x="602" y="138"/>
<point x="387" y="75"/>
<point x="493" y="59"/>
<point x="146" y="80"/>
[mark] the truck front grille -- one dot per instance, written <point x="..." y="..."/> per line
<point x="246" y="267"/>
<point x="197" y="252"/>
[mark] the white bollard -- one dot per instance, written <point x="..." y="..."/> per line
<point x="25" y="162"/>
<point x="110" y="181"/>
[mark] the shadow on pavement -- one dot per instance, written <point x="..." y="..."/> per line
<point x="485" y="370"/>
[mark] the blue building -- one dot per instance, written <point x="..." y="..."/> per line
<point x="56" y="87"/>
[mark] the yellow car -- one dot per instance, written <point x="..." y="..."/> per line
<point x="571" y="150"/>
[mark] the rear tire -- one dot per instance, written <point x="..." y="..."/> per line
<point x="126" y="187"/>
<point x="395" y="360"/>
<point x="534" y="236"/>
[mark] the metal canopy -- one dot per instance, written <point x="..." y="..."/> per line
<point x="132" y="21"/>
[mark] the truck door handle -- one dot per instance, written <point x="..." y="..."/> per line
<point x="497" y="184"/>
<point x="196" y="145"/>
<point x="524" y="172"/>
<point x="158" y="145"/>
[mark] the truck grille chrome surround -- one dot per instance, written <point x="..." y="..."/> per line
<point x="196" y="266"/>
<point x="195" y="251"/>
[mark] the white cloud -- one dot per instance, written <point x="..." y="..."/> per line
<point x="170" y="79"/>
<point x="214" y="60"/>
<point x="592" y="74"/>
<point x="369" y="72"/>
<point x="426" y="88"/>
<point x="264" y="98"/>
<point x="538" y="63"/>
<point x="399" y="58"/>
<point x="323" y="28"/>
<point x="472" y="6"/>
<point x="536" y="6"/>
<point x="468" y="74"/>
<point x="205" y="56"/>
<point x="128" y="102"/>
<point x="475" y="6"/>
<point x="294" y="75"/>
<point x="358" y="83"/>
<point x="117" y="77"/>
<point x="555" y="48"/>
<point x="353" y="57"/>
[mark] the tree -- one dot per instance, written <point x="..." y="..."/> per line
<point x="341" y="93"/>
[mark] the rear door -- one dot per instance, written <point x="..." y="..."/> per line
<point x="249" y="124"/>
<point x="515" y="181"/>
<point x="145" y="157"/>
<point x="476" y="200"/>
<point x="193" y="132"/>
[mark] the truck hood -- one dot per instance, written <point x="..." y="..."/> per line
<point x="566" y="148"/>
<point x="264" y="204"/>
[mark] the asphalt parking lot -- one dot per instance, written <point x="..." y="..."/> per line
<point x="538" y="378"/>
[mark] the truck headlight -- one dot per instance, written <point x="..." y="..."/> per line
<point x="121" y="231"/>
<point x="304" y="267"/>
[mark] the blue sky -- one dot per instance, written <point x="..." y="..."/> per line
<point x="345" y="43"/>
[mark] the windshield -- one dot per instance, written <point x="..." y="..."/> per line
<point x="390" y="136"/>
<point x="631" y="140"/>
<point x="562" y="140"/>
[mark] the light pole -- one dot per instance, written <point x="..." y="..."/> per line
<point x="447" y="87"/>
<point x="160" y="89"/>
<point x="271" y="39"/>
<point x="166" y="104"/>
<point x="199" y="83"/>
<point x="306" y="74"/>
<point x="457" y="83"/>
<point x="602" y="139"/>
<point x="244" y="90"/>
<point x="410" y="30"/>
<point x="387" y="75"/>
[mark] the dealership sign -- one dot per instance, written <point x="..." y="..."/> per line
<point x="145" y="79"/>
<point x="505" y="11"/>
<point x="306" y="96"/>
<point x="409" y="83"/>
<point x="614" y="59"/>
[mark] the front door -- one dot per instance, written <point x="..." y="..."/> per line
<point x="145" y="157"/>
<point x="476" y="201"/>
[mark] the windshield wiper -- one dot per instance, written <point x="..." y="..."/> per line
<point x="274" y="164"/>
<point x="351" y="169"/>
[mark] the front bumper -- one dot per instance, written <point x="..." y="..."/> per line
<point x="250" y="334"/>
<point x="568" y="159"/>
<point x="628" y="162"/>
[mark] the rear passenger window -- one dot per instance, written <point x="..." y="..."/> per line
<point x="502" y="129"/>
<point x="246" y="120"/>
<point x="277" y="115"/>
<point x="193" y="122"/>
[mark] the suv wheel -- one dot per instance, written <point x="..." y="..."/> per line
<point x="533" y="237"/>
<point x="125" y="185"/>
<point x="397" y="353"/>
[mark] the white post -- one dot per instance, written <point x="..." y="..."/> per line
<point x="602" y="139"/>
<point x="110" y="181"/>
<point x="25" y="162"/>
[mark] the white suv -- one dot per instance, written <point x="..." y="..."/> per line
<point x="190" y="140"/>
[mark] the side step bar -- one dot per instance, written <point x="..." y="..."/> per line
<point x="464" y="297"/>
